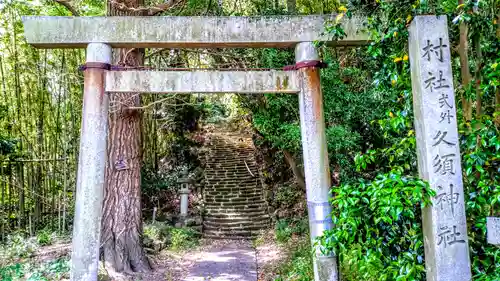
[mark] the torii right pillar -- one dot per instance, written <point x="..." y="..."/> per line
<point x="444" y="223"/>
<point x="316" y="166"/>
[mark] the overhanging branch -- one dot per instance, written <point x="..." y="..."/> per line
<point x="148" y="11"/>
<point x="67" y="5"/>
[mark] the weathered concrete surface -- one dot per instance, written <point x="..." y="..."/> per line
<point x="91" y="167"/>
<point x="445" y="226"/>
<point x="184" y="32"/>
<point x="172" y="82"/>
<point x="493" y="230"/>
<point x="316" y="166"/>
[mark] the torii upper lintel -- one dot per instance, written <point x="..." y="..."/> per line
<point x="186" y="32"/>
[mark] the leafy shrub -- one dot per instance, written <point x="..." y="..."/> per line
<point x="378" y="225"/>
<point x="45" y="237"/>
<point x="287" y="195"/>
<point x="299" y="267"/>
<point x="184" y="238"/>
<point x="286" y="228"/>
<point x="12" y="272"/>
<point x="480" y="147"/>
<point x="158" y="236"/>
<point x="53" y="270"/>
<point x="17" y="247"/>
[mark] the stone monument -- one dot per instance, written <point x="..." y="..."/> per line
<point x="445" y="227"/>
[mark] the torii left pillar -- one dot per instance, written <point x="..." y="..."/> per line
<point x="91" y="166"/>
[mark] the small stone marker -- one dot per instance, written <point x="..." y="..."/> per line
<point x="493" y="230"/>
<point x="445" y="227"/>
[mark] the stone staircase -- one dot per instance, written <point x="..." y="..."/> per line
<point x="234" y="201"/>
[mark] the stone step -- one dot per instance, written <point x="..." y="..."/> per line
<point x="234" y="185"/>
<point x="232" y="181"/>
<point x="235" y="204"/>
<point x="231" y="188"/>
<point x="247" y="214"/>
<point x="231" y="171"/>
<point x="236" y="162"/>
<point x="242" y="210"/>
<point x="237" y="196"/>
<point x="238" y="167"/>
<point x="241" y="168"/>
<point x="231" y="168"/>
<point x="235" y="200"/>
<point x="240" y="234"/>
<point x="231" y="177"/>
<point x="238" y="220"/>
<point x="229" y="199"/>
<point x="231" y="229"/>
<point x="234" y="177"/>
<point x="216" y="145"/>
<point x="231" y="149"/>
<point x="231" y="158"/>
<point x="234" y="173"/>
<point x="234" y="194"/>
<point x="233" y="237"/>
<point x="237" y="223"/>
<point x="224" y="179"/>
<point x="220" y="196"/>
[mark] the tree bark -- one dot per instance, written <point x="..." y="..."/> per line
<point x="464" y="68"/>
<point x="478" y="77"/>
<point x="497" y="94"/>
<point x="297" y="172"/>
<point x="122" y="218"/>
<point x="291" y="6"/>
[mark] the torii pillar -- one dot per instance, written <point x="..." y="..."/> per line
<point x="91" y="166"/>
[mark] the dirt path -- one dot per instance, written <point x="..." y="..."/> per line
<point x="225" y="260"/>
<point x="214" y="260"/>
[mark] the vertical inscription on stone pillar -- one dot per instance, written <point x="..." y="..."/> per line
<point x="493" y="230"/>
<point x="445" y="228"/>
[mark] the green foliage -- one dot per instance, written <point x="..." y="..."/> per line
<point x="184" y="238"/>
<point x="158" y="236"/>
<point x="286" y="228"/>
<point x="299" y="266"/>
<point x="378" y="226"/>
<point x="17" y="247"/>
<point x="287" y="195"/>
<point x="481" y="161"/>
<point x="378" y="233"/>
<point x="45" y="237"/>
<point x="53" y="270"/>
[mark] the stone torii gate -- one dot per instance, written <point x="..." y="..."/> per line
<point x="445" y="233"/>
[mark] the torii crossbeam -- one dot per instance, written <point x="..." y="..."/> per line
<point x="100" y="34"/>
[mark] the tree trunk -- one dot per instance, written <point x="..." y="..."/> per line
<point x="291" y="6"/>
<point x="497" y="94"/>
<point x="464" y="68"/>
<point x="297" y="172"/>
<point x="478" y="78"/>
<point x="122" y="218"/>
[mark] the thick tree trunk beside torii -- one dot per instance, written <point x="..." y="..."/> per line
<point x="122" y="218"/>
